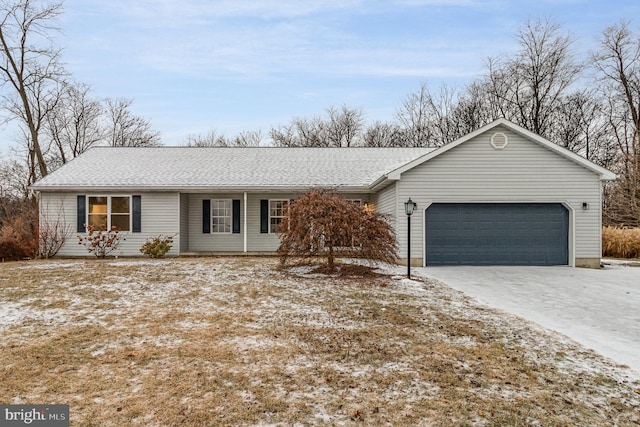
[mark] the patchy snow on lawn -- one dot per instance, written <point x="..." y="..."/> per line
<point x="13" y="313"/>
<point x="155" y="304"/>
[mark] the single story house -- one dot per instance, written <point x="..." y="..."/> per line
<point x="501" y="195"/>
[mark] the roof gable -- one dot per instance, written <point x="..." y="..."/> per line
<point x="603" y="173"/>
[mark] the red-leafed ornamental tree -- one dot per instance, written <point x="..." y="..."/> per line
<point x="323" y="224"/>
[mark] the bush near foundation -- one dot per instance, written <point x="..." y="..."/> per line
<point x="157" y="247"/>
<point x="621" y="242"/>
<point x="18" y="239"/>
<point x="101" y="242"/>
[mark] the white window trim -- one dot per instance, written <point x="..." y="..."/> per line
<point x="109" y="196"/>
<point x="271" y="231"/>
<point x="230" y="201"/>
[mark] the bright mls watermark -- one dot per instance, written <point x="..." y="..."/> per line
<point x="34" y="415"/>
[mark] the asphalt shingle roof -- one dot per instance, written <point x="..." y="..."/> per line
<point x="183" y="168"/>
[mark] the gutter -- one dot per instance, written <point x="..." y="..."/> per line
<point x="195" y="189"/>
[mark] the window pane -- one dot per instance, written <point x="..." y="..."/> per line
<point x="120" y="205"/>
<point x="120" y="221"/>
<point x="221" y="225"/>
<point x="98" y="221"/>
<point x="97" y="205"/>
<point x="221" y="216"/>
<point x="278" y="209"/>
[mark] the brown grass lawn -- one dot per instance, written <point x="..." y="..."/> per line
<point x="217" y="341"/>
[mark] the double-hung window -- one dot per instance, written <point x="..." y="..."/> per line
<point x="106" y="212"/>
<point x="221" y="215"/>
<point x="278" y="210"/>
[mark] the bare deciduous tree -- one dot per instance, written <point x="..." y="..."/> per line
<point x="30" y="68"/>
<point x="344" y="126"/>
<point x="528" y="86"/>
<point x="213" y="139"/>
<point x="125" y="129"/>
<point x="14" y="178"/>
<point x="301" y="132"/>
<point x="618" y="62"/>
<point x="247" y="139"/>
<point x="581" y="126"/>
<point x="432" y="119"/>
<point x="414" y="116"/>
<point x="382" y="135"/>
<point x="75" y="125"/>
<point x="283" y="136"/>
<point x="341" y="128"/>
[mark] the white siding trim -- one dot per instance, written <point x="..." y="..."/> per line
<point x="572" y="233"/>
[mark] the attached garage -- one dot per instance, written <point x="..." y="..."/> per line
<point x="497" y="234"/>
<point x="501" y="195"/>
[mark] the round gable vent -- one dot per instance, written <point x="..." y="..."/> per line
<point x="499" y="140"/>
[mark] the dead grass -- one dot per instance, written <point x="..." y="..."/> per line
<point x="203" y="342"/>
<point x="621" y="242"/>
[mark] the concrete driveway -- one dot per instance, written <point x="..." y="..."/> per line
<point x="597" y="308"/>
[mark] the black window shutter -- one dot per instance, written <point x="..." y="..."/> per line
<point x="264" y="216"/>
<point x="206" y="216"/>
<point x="236" y="216"/>
<point x="82" y="214"/>
<point x="136" y="226"/>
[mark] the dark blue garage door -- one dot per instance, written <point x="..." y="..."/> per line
<point x="497" y="234"/>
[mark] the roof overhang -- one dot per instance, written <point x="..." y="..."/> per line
<point x="193" y="189"/>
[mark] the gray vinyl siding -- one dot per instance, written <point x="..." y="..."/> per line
<point x="385" y="203"/>
<point x="160" y="213"/>
<point x="522" y="172"/>
<point x="256" y="241"/>
<point x="212" y="242"/>
<point x="184" y="222"/>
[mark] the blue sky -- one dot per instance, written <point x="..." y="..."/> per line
<point x="196" y="65"/>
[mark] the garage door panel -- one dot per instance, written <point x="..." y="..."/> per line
<point x="497" y="234"/>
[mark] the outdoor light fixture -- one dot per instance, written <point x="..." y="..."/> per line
<point x="585" y="206"/>
<point x="409" y="207"/>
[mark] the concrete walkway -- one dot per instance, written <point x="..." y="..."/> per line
<point x="597" y="308"/>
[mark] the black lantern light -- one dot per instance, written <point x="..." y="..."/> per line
<point x="409" y="207"/>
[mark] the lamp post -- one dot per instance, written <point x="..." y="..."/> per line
<point x="409" y="207"/>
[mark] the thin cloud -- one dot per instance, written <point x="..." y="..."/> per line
<point x="153" y="13"/>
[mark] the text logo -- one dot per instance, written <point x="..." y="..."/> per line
<point x="34" y="415"/>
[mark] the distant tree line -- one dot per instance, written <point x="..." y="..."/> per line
<point x="591" y="107"/>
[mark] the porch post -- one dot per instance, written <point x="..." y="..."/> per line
<point x="244" y="228"/>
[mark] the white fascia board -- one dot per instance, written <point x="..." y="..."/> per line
<point x="194" y="189"/>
